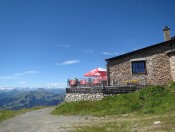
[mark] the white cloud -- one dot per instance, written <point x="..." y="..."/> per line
<point x="68" y="62"/>
<point x="106" y="53"/>
<point x="112" y="53"/>
<point x="119" y="53"/>
<point x="56" y="85"/>
<point x="16" y="75"/>
<point x="21" y="82"/>
<point x="89" y="51"/>
<point x="31" y="72"/>
<point x="63" y="45"/>
<point x="7" y="77"/>
<point x="25" y="73"/>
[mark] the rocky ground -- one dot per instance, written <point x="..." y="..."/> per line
<point x="42" y="121"/>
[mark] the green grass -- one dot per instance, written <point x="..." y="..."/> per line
<point x="133" y="123"/>
<point x="5" y="114"/>
<point x="150" y="100"/>
<point x="110" y="105"/>
<point x="153" y="103"/>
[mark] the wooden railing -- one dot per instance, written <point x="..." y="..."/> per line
<point x="119" y="90"/>
<point x="105" y="90"/>
<point x="84" y="90"/>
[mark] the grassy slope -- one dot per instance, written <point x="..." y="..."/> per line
<point x="148" y="105"/>
<point x="133" y="123"/>
<point x="153" y="99"/>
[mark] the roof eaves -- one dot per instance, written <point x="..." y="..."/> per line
<point x="113" y="58"/>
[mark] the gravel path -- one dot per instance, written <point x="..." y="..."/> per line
<point x="42" y="121"/>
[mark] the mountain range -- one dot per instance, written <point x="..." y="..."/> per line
<point x="15" y="99"/>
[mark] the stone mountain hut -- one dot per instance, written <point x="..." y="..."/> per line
<point x="153" y="65"/>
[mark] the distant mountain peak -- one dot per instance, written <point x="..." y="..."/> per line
<point x="41" y="89"/>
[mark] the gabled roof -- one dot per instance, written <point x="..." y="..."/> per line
<point x="129" y="53"/>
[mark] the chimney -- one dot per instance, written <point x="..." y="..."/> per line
<point x="166" y="31"/>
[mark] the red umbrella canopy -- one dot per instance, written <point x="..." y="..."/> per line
<point x="97" y="72"/>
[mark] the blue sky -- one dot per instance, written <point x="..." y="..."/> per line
<point x="45" y="42"/>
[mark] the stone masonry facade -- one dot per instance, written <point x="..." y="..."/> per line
<point x="172" y="64"/>
<point x="80" y="96"/>
<point x="160" y="66"/>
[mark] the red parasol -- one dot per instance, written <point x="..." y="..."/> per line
<point x="97" y="72"/>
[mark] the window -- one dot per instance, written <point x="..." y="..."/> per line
<point x="138" y="67"/>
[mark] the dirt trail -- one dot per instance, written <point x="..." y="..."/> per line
<point x="41" y="121"/>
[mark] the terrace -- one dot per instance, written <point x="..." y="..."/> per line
<point x="95" y="85"/>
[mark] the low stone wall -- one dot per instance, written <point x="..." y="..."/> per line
<point x="96" y="93"/>
<point x="80" y="96"/>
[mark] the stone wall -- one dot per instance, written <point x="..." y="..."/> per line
<point x="157" y="66"/>
<point x="96" y="93"/>
<point x="80" y="96"/>
<point x="172" y="65"/>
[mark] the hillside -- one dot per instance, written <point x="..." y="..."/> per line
<point x="150" y="109"/>
<point x="20" y="99"/>
<point x="152" y="99"/>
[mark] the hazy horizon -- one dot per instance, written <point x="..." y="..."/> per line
<point x="43" y="43"/>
